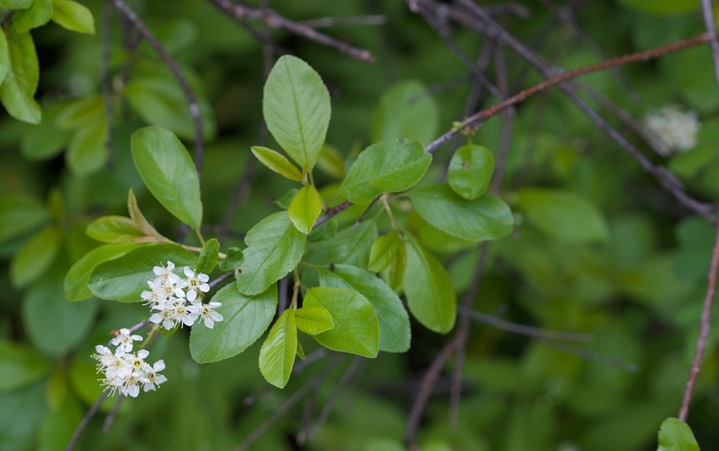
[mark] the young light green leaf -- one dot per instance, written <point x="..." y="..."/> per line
<point x="296" y="107"/>
<point x="18" y="88"/>
<point x="277" y="162"/>
<point x="20" y="365"/>
<point x="356" y="328"/>
<point x="385" y="167"/>
<point x="78" y="277"/>
<point x="430" y="294"/>
<point x="563" y="215"/>
<point x="470" y="171"/>
<point x="394" y="328"/>
<point x="38" y="14"/>
<point x="168" y="172"/>
<point x="34" y="258"/>
<point x="139" y="219"/>
<point x="5" y="64"/>
<point x="331" y="162"/>
<point x="676" y="435"/>
<point x="45" y="140"/>
<point x="277" y="354"/>
<point x="305" y="208"/>
<point x="313" y="320"/>
<point x="383" y="251"/>
<point x="209" y="256"/>
<point x="73" y="16"/>
<point x="245" y="319"/>
<point x="125" y="278"/>
<point x="351" y="246"/>
<point x="115" y="229"/>
<point x="484" y="218"/>
<point x="407" y="110"/>
<point x="274" y="248"/>
<point x="20" y="214"/>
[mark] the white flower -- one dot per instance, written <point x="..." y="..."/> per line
<point x="208" y="314"/>
<point x="165" y="274"/>
<point x="676" y="129"/>
<point x="152" y="376"/>
<point x="185" y="314"/>
<point x="124" y="341"/>
<point x="195" y="283"/>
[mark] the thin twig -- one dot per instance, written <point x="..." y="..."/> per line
<point x="85" y="421"/>
<point x="326" y="22"/>
<point x="591" y="355"/>
<point x="193" y="104"/>
<point x="106" y="79"/>
<point x="709" y="23"/>
<point x="703" y="331"/>
<point x="522" y="329"/>
<point x="344" y="381"/>
<point x="110" y="418"/>
<point x="645" y="55"/>
<point x="283" y="408"/>
<point x="240" y="12"/>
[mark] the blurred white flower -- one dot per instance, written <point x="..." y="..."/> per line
<point x="676" y="129"/>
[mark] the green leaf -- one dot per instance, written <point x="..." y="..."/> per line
<point x="305" y="208"/>
<point x="168" y="172"/>
<point x="351" y="246"/>
<point x="77" y="279"/>
<point x="245" y="319"/>
<point x="385" y="167"/>
<point x="296" y="107"/>
<point x="676" y="435"/>
<point x="277" y="162"/>
<point x="20" y="214"/>
<point x="233" y="259"/>
<point x="383" y="251"/>
<point x="60" y="422"/>
<point x="484" y="218"/>
<point x="394" y="328"/>
<point x="20" y="365"/>
<point x="115" y="229"/>
<point x="38" y="14"/>
<point x="274" y="248"/>
<point x="87" y="151"/>
<point x="5" y="64"/>
<point x="429" y="290"/>
<point x="407" y="110"/>
<point x="209" y="256"/>
<point x="54" y="325"/>
<point x="470" y="171"/>
<point x="277" y="354"/>
<point x="161" y="102"/>
<point x="35" y="257"/>
<point x="125" y="278"/>
<point x="18" y="88"/>
<point x="15" y="4"/>
<point x="356" y="329"/>
<point x="563" y="215"/>
<point x="313" y="320"/>
<point x="78" y="112"/>
<point x="73" y="16"/>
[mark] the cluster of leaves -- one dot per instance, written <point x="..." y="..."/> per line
<point x="593" y="248"/>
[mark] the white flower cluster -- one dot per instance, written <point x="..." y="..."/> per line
<point x="676" y="129"/>
<point x="177" y="301"/>
<point x="125" y="370"/>
<point x="174" y="301"/>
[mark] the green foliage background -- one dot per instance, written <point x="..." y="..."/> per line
<point x="618" y="259"/>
